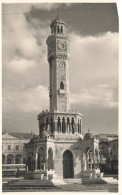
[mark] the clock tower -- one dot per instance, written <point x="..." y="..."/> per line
<point x="58" y="57"/>
<point x="60" y="150"/>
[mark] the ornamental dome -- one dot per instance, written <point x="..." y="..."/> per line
<point x="57" y="20"/>
<point x="58" y="27"/>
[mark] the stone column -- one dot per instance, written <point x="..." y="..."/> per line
<point x="36" y="161"/>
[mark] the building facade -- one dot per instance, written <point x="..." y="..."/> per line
<point x="61" y="146"/>
<point x="13" y="151"/>
<point x="108" y="149"/>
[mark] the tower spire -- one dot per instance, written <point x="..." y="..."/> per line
<point x="57" y="15"/>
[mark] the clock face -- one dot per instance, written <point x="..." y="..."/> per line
<point x="61" y="46"/>
<point x="61" y="64"/>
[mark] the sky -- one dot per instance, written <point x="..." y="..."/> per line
<point x="93" y="29"/>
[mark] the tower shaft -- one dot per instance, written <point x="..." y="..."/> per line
<point x="58" y="57"/>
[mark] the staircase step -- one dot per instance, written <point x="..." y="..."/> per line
<point x="73" y="180"/>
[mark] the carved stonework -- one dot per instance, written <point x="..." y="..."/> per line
<point x="61" y="46"/>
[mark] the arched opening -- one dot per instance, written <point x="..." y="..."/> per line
<point x="63" y="125"/>
<point x="10" y="159"/>
<point x="58" y="28"/>
<point x="30" y="163"/>
<point x="3" y="159"/>
<point x="50" y="159"/>
<point x="18" y="159"/>
<point x="72" y="124"/>
<point x="61" y="85"/>
<point x="51" y="125"/>
<point x="59" y="125"/>
<point x="68" y="167"/>
<point x="47" y="124"/>
<point x="61" y="29"/>
<point x="68" y="125"/>
<point x="41" y="159"/>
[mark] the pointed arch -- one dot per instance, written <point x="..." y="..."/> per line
<point x="68" y="165"/>
<point x="59" y="125"/>
<point x="62" y="29"/>
<point x="63" y="125"/>
<point x="68" y="125"/>
<point x="72" y="124"/>
<point x="50" y="158"/>
<point x="51" y="125"/>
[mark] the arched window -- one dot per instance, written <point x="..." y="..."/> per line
<point x="61" y="29"/>
<point x="68" y="125"/>
<point x="58" y="28"/>
<point x="51" y="125"/>
<point x="72" y="123"/>
<point x="47" y="124"/>
<point x="59" y="125"/>
<point x="61" y="85"/>
<point x="50" y="159"/>
<point x="63" y="125"/>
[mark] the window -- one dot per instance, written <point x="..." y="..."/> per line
<point x="17" y="147"/>
<point x="61" y="29"/>
<point x="58" y="28"/>
<point x="61" y="85"/>
<point x="9" y="147"/>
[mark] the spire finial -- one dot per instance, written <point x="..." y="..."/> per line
<point x="57" y="12"/>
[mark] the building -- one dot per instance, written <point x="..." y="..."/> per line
<point x="114" y="155"/>
<point x="13" y="152"/>
<point x="108" y="148"/>
<point x="60" y="148"/>
<point x="107" y="137"/>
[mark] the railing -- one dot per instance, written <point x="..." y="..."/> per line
<point x="13" y="167"/>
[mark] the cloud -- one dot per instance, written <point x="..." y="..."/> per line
<point x="25" y="100"/>
<point x="24" y="52"/>
<point x="20" y="65"/>
<point x="21" y="42"/>
<point x="100" y="95"/>
<point x="94" y="59"/>
<point x="28" y="7"/>
<point x="93" y="64"/>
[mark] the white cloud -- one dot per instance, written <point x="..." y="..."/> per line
<point x="94" y="59"/>
<point x="20" y="39"/>
<point x="93" y="64"/>
<point x="25" y="100"/>
<point x="102" y="95"/>
<point x="20" y="65"/>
